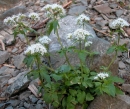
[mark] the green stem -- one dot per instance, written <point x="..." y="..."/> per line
<point x="39" y="71"/>
<point x="58" y="37"/>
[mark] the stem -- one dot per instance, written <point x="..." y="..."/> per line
<point x="38" y="65"/>
<point x="112" y="60"/>
<point x="58" y="37"/>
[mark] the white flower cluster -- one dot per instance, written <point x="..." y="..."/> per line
<point x="34" y="16"/>
<point x="45" y="40"/>
<point x="88" y="43"/>
<point x="81" y="34"/>
<point x="14" y="19"/>
<point x="118" y="23"/>
<point x="101" y="75"/>
<point x="9" y="21"/>
<point x="54" y="11"/>
<point x="82" y="19"/>
<point x="36" y="48"/>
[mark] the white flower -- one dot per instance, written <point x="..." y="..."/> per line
<point x="20" y="17"/>
<point x="101" y="75"/>
<point x="45" y="40"/>
<point x="9" y="21"/>
<point x="81" y="34"/>
<point x="54" y="11"/>
<point x="34" y="16"/>
<point x="36" y="48"/>
<point x="69" y="36"/>
<point x="88" y="43"/>
<point x="118" y="23"/>
<point x="82" y="19"/>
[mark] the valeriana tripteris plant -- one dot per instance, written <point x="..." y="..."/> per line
<point x="117" y="27"/>
<point x="21" y="23"/>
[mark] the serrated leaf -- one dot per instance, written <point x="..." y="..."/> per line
<point x="89" y="97"/>
<point x="81" y="96"/>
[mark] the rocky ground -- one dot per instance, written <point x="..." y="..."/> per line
<point x="19" y="92"/>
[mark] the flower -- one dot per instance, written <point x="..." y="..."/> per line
<point x="118" y="23"/>
<point x="9" y="21"/>
<point x="45" y="40"/>
<point x="101" y="75"/>
<point x="81" y="34"/>
<point x="54" y="11"/>
<point x="69" y="36"/>
<point x="36" y="48"/>
<point x="82" y="19"/>
<point x="88" y="43"/>
<point x="34" y="16"/>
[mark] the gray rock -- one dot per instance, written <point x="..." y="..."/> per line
<point x="33" y="99"/>
<point x="84" y="2"/>
<point x="126" y="87"/>
<point x="67" y="25"/>
<point x="18" y="61"/>
<point x="5" y="71"/>
<point x="24" y="95"/>
<point x="13" y="11"/>
<point x="14" y="103"/>
<point x="4" y="80"/>
<point x="39" y="102"/>
<point x="21" y="108"/>
<point x="75" y="10"/>
<point x="4" y="55"/>
<point x="20" y="84"/>
<point x="33" y="107"/>
<point x="119" y="13"/>
<point x="108" y="102"/>
<point x="122" y="65"/>
<point x="26" y="105"/>
<point x="124" y="98"/>
<point x="9" y="107"/>
<point x="113" y="5"/>
<point x="39" y="106"/>
<point x="128" y="61"/>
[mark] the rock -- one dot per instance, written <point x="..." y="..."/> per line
<point x="76" y="10"/>
<point x="84" y="2"/>
<point x="67" y="25"/>
<point x="5" y="71"/>
<point x="39" y="106"/>
<point x="119" y="12"/>
<point x="33" y="99"/>
<point x="4" y="80"/>
<point x="113" y="5"/>
<point x="22" y="37"/>
<point x="26" y="105"/>
<point x="98" y="45"/>
<point x="13" y="11"/>
<point x="24" y="95"/>
<point x="124" y="98"/>
<point x="128" y="61"/>
<point x="4" y="55"/>
<point x="14" y="103"/>
<point x="21" y="108"/>
<point x="3" y="105"/>
<point x="39" y="102"/>
<point x="20" y="84"/>
<point x="33" y="107"/>
<point x="103" y="8"/>
<point x="108" y="102"/>
<point x="126" y="87"/>
<point x="122" y="65"/>
<point x="18" y="61"/>
<point x="102" y="59"/>
<point x="9" y="107"/>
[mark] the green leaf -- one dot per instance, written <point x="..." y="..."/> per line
<point x="50" y="28"/>
<point x="121" y="48"/>
<point x="55" y="25"/>
<point x="29" y="60"/>
<point x="82" y="55"/>
<point x="56" y="77"/>
<point x="64" y="68"/>
<point x="111" y="49"/>
<point x="71" y="102"/>
<point x="89" y="97"/>
<point x="46" y="77"/>
<point x="118" y="91"/>
<point x="109" y="89"/>
<point x="116" y="79"/>
<point x="76" y="80"/>
<point x="81" y="96"/>
<point x="64" y="103"/>
<point x="72" y="92"/>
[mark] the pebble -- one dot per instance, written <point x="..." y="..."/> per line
<point x="33" y="99"/>
<point x="39" y="106"/>
<point x="122" y="65"/>
<point x="10" y="107"/>
<point x="26" y="105"/>
<point x="14" y="103"/>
